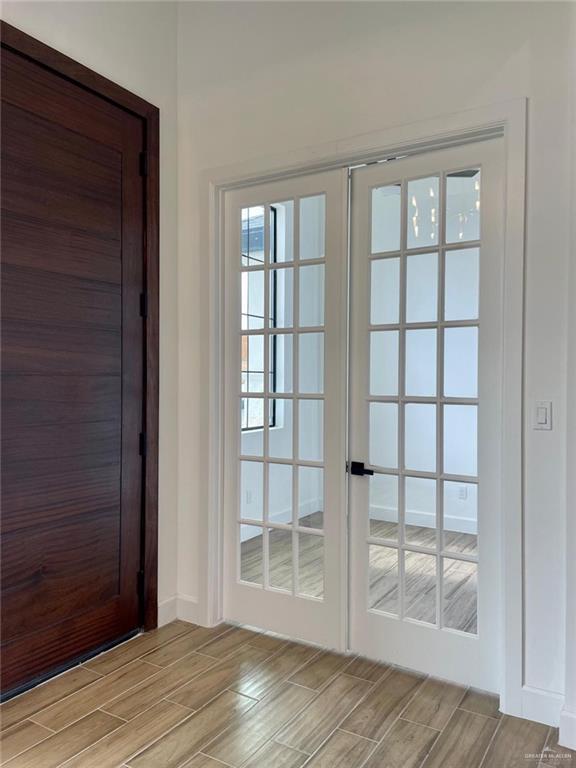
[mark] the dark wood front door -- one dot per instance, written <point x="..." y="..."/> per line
<point x="73" y="370"/>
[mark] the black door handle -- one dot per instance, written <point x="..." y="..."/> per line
<point x="358" y="468"/>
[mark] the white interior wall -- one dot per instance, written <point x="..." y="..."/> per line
<point x="568" y="716"/>
<point x="134" y="44"/>
<point x="259" y="79"/>
<point x="264" y="79"/>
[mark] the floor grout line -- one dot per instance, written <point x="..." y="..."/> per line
<point x="31" y="719"/>
<point x="83" y="665"/>
<point x="99" y="707"/>
<point x="357" y="735"/>
<point x="422" y="725"/>
<point x="498" y="726"/>
<point x="273" y="738"/>
<point x="397" y="718"/>
<point x="228" y="765"/>
<point x="471" y="712"/>
<point x="479" y="714"/>
<point x="134" y="754"/>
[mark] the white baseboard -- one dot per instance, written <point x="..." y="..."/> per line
<point x="179" y="607"/>
<point x="424" y="519"/>
<point x="167" y="610"/>
<point x="188" y="609"/>
<point x="541" y="706"/>
<point x="567" y="736"/>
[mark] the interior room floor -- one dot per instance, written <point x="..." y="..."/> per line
<point x="185" y="696"/>
<point x="460" y="576"/>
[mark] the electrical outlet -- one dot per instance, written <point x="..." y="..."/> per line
<point x="462" y="493"/>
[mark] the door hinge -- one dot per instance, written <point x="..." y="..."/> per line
<point x="143" y="305"/>
<point x="140" y="584"/>
<point x="142" y="444"/>
<point x="143" y="159"/>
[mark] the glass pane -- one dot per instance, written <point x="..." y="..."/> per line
<point x="312" y="295"/>
<point x="462" y="284"/>
<point x="280" y="432"/>
<point x="461" y="439"/>
<point x="311" y="363"/>
<point x="463" y="206"/>
<point x="383" y="448"/>
<point x="422" y="288"/>
<point x="252" y="300"/>
<point x="423" y="212"/>
<point x="281" y="362"/>
<point x="384" y="363"/>
<point x="461" y="362"/>
<point x="460" y="595"/>
<point x="282" y="298"/>
<point x="252" y="413"/>
<point x="252" y="236"/>
<point x="311" y="497"/>
<point x="420" y="514"/>
<point x="252" y="438"/>
<point x="310" y="565"/>
<point x="385" y="291"/>
<point x="383" y="510"/>
<point x="386" y="206"/>
<point x="280" y="559"/>
<point x="420" y="437"/>
<point x="383" y="579"/>
<point x="311" y="430"/>
<point x="282" y="232"/>
<point x="421" y="362"/>
<point x="251" y="490"/>
<point x="420" y="587"/>
<point x="252" y="351"/>
<point x="461" y="517"/>
<point x="251" y="554"/>
<point x="312" y="227"/>
<point x="280" y="493"/>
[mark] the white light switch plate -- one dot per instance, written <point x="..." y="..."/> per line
<point x="542" y="414"/>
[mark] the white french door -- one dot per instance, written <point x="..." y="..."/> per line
<point x="285" y="296"/>
<point x="398" y="559"/>
<point x="425" y="412"/>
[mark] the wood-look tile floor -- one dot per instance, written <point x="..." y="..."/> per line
<point x="189" y="697"/>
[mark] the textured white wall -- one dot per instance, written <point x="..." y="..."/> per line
<point x="134" y="44"/>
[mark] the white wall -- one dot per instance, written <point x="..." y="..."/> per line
<point x="266" y="78"/>
<point x="134" y="44"/>
<point x="568" y="717"/>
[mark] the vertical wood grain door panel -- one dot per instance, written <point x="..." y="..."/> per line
<point x="73" y="202"/>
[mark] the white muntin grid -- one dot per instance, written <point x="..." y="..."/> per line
<point x="293" y="395"/>
<point x="401" y="545"/>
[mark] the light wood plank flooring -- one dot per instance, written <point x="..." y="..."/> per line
<point x="189" y="697"/>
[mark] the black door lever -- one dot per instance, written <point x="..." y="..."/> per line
<point x="358" y="468"/>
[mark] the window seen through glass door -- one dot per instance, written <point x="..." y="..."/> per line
<point x="281" y="515"/>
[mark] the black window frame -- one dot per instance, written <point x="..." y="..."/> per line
<point x="272" y="319"/>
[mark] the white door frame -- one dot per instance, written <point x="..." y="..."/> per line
<point x="507" y="119"/>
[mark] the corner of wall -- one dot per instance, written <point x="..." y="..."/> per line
<point x="567" y="736"/>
